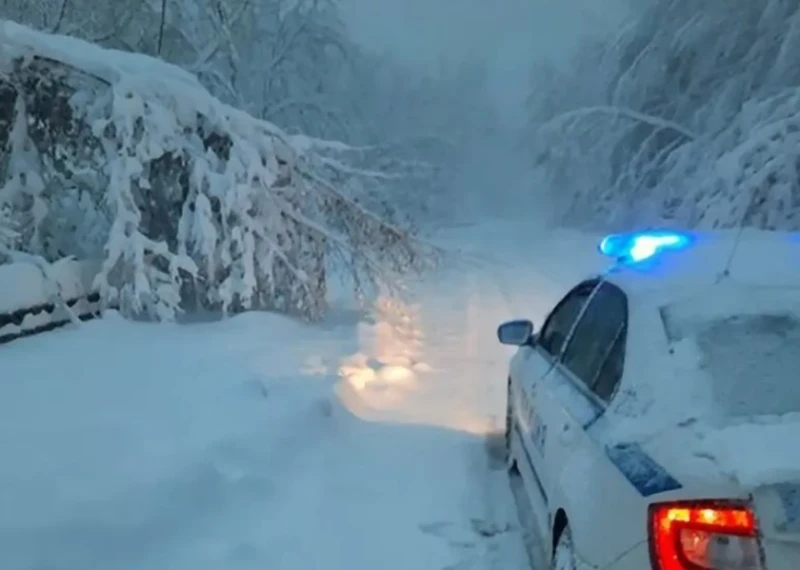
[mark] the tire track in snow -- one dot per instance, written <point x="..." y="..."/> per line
<point x="497" y="514"/>
<point x="468" y="351"/>
<point x="459" y="309"/>
<point x="505" y="521"/>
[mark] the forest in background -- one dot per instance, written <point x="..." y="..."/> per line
<point x="687" y="115"/>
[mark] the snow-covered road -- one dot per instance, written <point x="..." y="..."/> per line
<point x="370" y="442"/>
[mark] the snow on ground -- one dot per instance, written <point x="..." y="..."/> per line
<point x="370" y="441"/>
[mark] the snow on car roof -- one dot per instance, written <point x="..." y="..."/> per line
<point x="751" y="257"/>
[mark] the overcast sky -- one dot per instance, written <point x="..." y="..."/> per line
<point x="508" y="32"/>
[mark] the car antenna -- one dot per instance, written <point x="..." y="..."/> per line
<point x="726" y="272"/>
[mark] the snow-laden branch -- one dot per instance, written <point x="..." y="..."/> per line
<point x="272" y="110"/>
<point x="728" y="71"/>
<point x="578" y="114"/>
<point x="204" y="205"/>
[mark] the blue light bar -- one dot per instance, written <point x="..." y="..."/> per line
<point x="639" y="246"/>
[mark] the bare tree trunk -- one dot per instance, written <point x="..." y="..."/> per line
<point x="161" y="26"/>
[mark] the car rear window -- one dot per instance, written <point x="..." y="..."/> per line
<point x="752" y="361"/>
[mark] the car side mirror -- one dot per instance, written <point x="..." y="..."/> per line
<point x="516" y="333"/>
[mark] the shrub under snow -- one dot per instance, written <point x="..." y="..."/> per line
<point x="189" y="202"/>
<point x="690" y="116"/>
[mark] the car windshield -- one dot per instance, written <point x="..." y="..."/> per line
<point x="752" y="360"/>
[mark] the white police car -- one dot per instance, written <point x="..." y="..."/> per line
<point x="655" y="416"/>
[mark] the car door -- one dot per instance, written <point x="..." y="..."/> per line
<point x="534" y="414"/>
<point x="588" y="482"/>
<point x="586" y="378"/>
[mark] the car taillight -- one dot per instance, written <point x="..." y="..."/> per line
<point x="703" y="536"/>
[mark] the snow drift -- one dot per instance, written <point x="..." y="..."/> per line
<point x="189" y="202"/>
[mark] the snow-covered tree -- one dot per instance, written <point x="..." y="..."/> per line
<point x="254" y="54"/>
<point x="189" y="201"/>
<point x="291" y="62"/>
<point x="689" y="115"/>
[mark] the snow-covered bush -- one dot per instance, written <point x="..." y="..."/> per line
<point x="689" y="115"/>
<point x="190" y="202"/>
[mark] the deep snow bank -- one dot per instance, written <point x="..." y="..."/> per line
<point x="126" y="444"/>
<point x="221" y="445"/>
